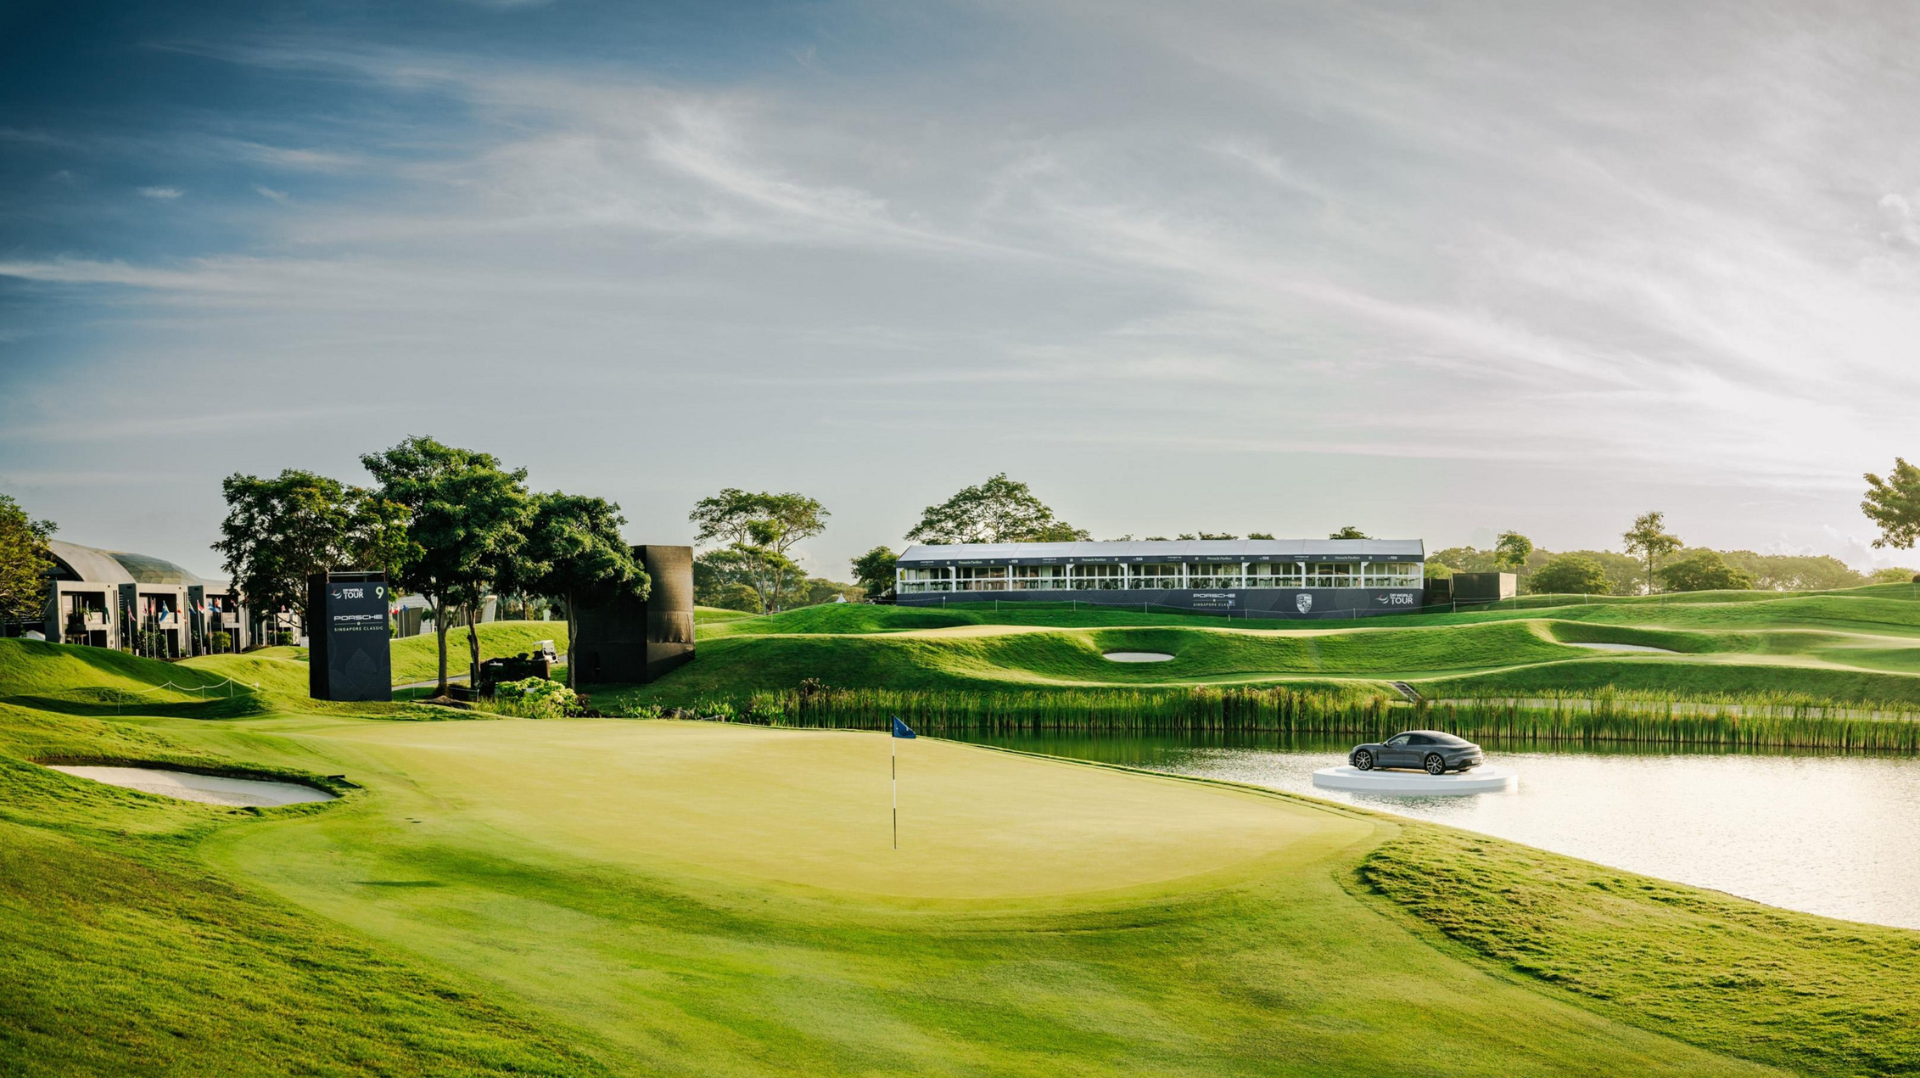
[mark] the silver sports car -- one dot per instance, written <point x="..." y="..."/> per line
<point x="1430" y="750"/>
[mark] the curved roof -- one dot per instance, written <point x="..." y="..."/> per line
<point x="118" y="567"/>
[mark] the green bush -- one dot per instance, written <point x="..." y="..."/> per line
<point x="222" y="642"/>
<point x="1570" y="574"/>
<point x="536" y="698"/>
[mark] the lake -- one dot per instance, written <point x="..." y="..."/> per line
<point x="1825" y="834"/>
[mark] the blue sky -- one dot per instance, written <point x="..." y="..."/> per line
<point x="1436" y="270"/>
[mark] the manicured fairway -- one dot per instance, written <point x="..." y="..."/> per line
<point x="717" y="899"/>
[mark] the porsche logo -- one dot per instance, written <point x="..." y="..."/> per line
<point x="1303" y="601"/>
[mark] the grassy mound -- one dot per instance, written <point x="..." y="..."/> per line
<point x="1754" y="981"/>
<point x="417" y="658"/>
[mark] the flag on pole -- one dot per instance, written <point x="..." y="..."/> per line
<point x="900" y="730"/>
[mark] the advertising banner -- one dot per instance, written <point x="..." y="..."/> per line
<point x="350" y="657"/>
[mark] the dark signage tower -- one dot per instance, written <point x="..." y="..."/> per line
<point x="349" y="656"/>
<point x="630" y="641"/>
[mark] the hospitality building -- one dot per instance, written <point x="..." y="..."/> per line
<point x="1275" y="578"/>
<point x="108" y="598"/>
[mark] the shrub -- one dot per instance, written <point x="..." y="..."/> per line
<point x="536" y="698"/>
<point x="222" y="642"/>
<point x="1705" y="571"/>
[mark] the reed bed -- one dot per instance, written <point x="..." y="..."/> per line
<point x="1757" y="722"/>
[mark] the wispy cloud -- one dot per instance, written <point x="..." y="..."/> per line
<point x="164" y="194"/>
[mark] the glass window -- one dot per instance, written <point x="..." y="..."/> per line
<point x="1039" y="577"/>
<point x="1393" y="574"/>
<point x="1274" y="574"/>
<point x="922" y="581"/>
<point x="980" y="578"/>
<point x="1339" y="574"/>
<point x="1207" y="575"/>
<point x="1155" y="575"/>
<point x="1099" y="577"/>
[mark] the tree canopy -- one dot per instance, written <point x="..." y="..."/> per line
<point x="1511" y="549"/>
<point x="1704" y="570"/>
<point x="574" y="553"/>
<point x="999" y="510"/>
<point x="1349" y="532"/>
<point x="774" y="521"/>
<point x="1571" y="574"/>
<point x="874" y="570"/>
<point x="25" y="562"/>
<point x="1648" y="538"/>
<point x="282" y="530"/>
<point x="1893" y="504"/>
<point x="466" y="527"/>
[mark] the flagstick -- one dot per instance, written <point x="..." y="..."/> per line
<point x="893" y="764"/>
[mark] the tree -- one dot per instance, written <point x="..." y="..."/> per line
<point x="1000" y="510"/>
<point x="466" y="528"/>
<point x="280" y="531"/>
<point x="1704" y="570"/>
<point x="1570" y="574"/>
<point x="776" y="521"/>
<point x="1510" y="551"/>
<point x="574" y="554"/>
<point x="1649" y="539"/>
<point x="1258" y="535"/>
<point x="1893" y="574"/>
<point x="1349" y="532"/>
<point x="1794" y="572"/>
<point x="874" y="570"/>
<point x="25" y="562"/>
<point x="1894" y="505"/>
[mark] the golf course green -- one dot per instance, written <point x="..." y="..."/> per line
<point x="602" y="896"/>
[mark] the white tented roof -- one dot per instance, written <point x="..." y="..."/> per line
<point x="1178" y="549"/>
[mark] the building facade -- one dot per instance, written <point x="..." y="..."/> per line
<point x="109" y="599"/>
<point x="1275" y="578"/>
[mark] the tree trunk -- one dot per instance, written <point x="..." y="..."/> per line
<point x="473" y="648"/>
<point x="440" y="631"/>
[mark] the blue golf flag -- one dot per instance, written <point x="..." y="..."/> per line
<point x="901" y="729"/>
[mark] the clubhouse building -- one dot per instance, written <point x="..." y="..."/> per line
<point x="1273" y="578"/>
<point x="108" y="598"/>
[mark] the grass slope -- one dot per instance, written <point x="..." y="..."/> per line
<point x="483" y="902"/>
<point x="1040" y="917"/>
<point x="1856" y="645"/>
<point x="417" y="658"/>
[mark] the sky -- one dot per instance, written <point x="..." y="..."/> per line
<point x="1433" y="269"/>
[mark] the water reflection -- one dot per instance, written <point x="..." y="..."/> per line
<point x="1828" y="834"/>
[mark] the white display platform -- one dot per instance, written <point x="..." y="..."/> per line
<point x="1479" y="780"/>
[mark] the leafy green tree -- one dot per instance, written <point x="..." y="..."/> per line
<point x="1570" y="574"/>
<point x="280" y="531"/>
<point x="739" y="597"/>
<point x="1464" y="559"/>
<point x="1893" y="574"/>
<point x="1349" y="532"/>
<point x="574" y="554"/>
<point x="739" y="517"/>
<point x="1000" y="510"/>
<point x="1704" y="570"/>
<point x="874" y="570"/>
<point x="1893" y="503"/>
<point x="25" y="562"/>
<point x="466" y="529"/>
<point x="1510" y="551"/>
<point x="1648" y="538"/>
<point x="1258" y="535"/>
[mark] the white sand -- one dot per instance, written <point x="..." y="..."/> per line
<point x="212" y="789"/>
<point x="1137" y="657"/>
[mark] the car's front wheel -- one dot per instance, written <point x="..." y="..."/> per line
<point x="1363" y="760"/>
<point x="1435" y="765"/>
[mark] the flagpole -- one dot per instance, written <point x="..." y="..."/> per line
<point x="893" y="765"/>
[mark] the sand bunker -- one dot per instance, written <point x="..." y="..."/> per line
<point x="212" y="789"/>
<point x="1137" y="657"/>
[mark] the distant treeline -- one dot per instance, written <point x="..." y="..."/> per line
<point x="1627" y="575"/>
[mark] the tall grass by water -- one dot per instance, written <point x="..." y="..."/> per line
<point x="1757" y="722"/>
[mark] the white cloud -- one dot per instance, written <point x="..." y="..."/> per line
<point x="269" y="193"/>
<point x="164" y="194"/>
